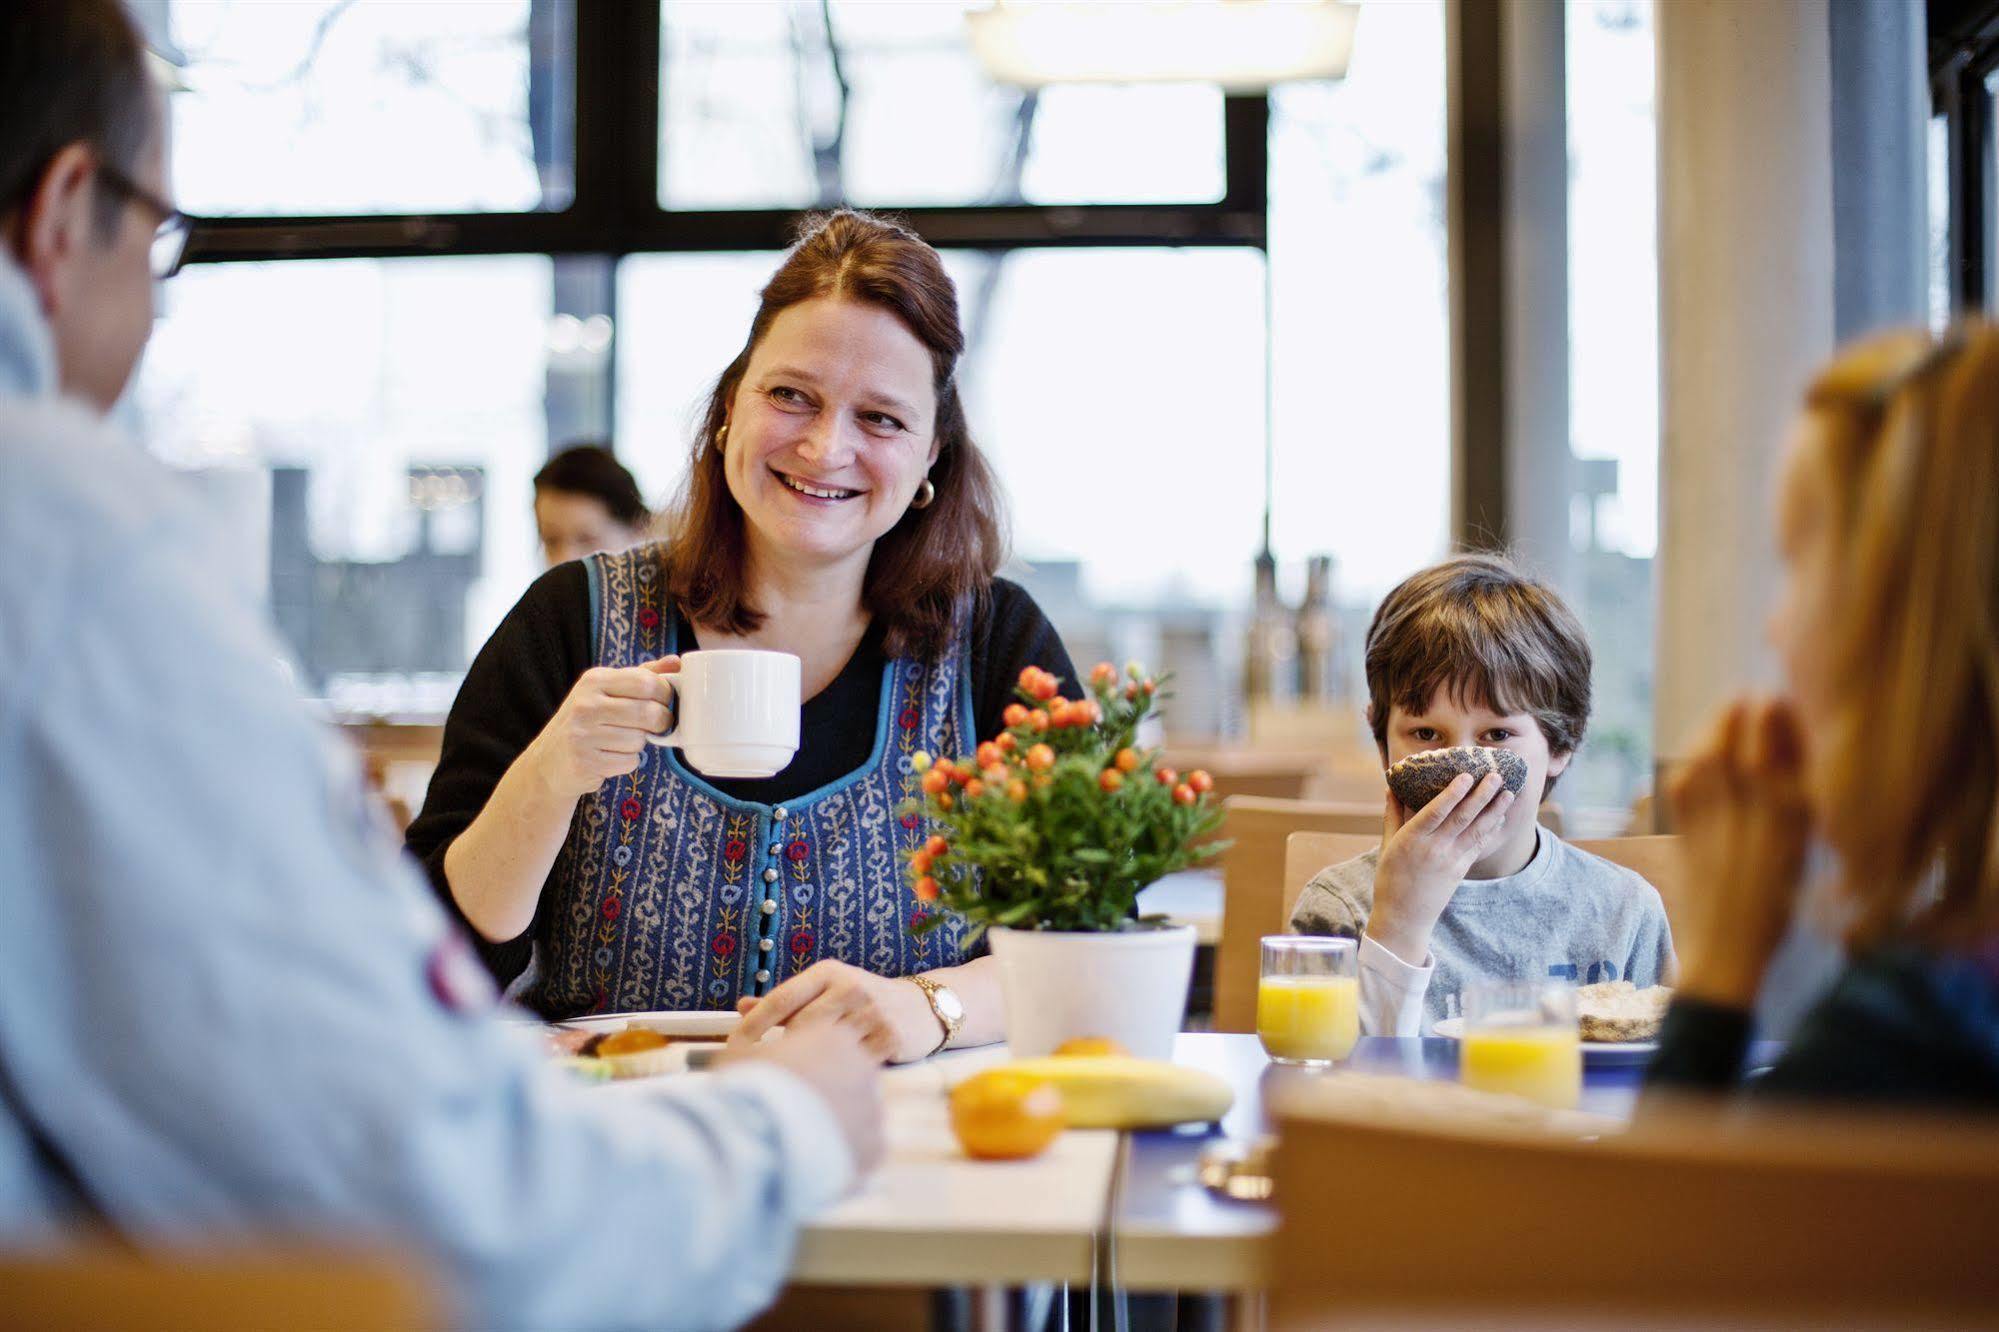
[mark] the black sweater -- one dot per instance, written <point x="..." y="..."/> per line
<point x="1902" y="1024"/>
<point x="534" y="658"/>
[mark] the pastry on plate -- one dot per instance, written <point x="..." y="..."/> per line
<point x="1417" y="779"/>
<point x="635" y="1052"/>
<point x="1618" y="1011"/>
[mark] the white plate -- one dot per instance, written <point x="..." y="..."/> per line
<point x="1601" y="1053"/>
<point x="686" y="1026"/>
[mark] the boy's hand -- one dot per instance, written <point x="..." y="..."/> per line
<point x="1425" y="857"/>
<point x="1740" y="807"/>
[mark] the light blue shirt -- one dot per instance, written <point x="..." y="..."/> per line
<point x="226" y="1000"/>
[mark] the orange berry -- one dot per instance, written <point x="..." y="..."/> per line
<point x="1130" y="692"/>
<point x="988" y="755"/>
<point x="1167" y="776"/>
<point x="1006" y="743"/>
<point x="1084" y="714"/>
<point x="1044" y="687"/>
<point x="1200" y="781"/>
<point x="945" y="802"/>
<point x="926" y="889"/>
<point x="1038" y="720"/>
<point x="1183" y="794"/>
<point x="1028" y="675"/>
<point x="1103" y="673"/>
<point x="961" y="775"/>
<point x="1016" y="790"/>
<point x="937" y="847"/>
<point x="974" y="789"/>
<point x="1126" y="760"/>
<point x="995" y="775"/>
<point x="1015" y="714"/>
<point x="1110" y="779"/>
<point x="1002" y="1115"/>
<point x="936" y="782"/>
<point x="1040" y="758"/>
<point x="1058" y="713"/>
<point x="920" y="862"/>
<point x="1147" y="686"/>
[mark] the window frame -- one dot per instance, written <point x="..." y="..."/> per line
<point x="1963" y="54"/>
<point x="615" y="211"/>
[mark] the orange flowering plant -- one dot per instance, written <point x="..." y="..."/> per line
<point x="1058" y="821"/>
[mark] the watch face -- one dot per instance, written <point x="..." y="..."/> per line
<point x="948" y="1005"/>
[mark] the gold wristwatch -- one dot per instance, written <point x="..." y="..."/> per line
<point x="945" y="1004"/>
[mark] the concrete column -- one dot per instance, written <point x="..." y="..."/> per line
<point x="1880" y="124"/>
<point x="1746" y="315"/>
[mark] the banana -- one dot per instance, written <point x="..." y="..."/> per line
<point x="1124" y="1092"/>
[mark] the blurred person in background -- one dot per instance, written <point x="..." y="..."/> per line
<point x="1886" y="745"/>
<point x="836" y="508"/>
<point x="584" y="502"/>
<point x="229" y="1009"/>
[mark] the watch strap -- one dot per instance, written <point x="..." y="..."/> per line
<point x="930" y="989"/>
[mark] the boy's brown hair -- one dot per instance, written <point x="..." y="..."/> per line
<point x="1480" y="629"/>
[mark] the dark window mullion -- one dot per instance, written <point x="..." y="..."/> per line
<point x="1967" y="109"/>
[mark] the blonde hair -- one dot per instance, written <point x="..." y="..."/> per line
<point x="1484" y="632"/>
<point x="1908" y="764"/>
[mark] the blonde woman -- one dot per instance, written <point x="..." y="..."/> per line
<point x="1886" y="745"/>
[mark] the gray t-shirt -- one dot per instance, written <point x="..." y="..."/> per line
<point x="1568" y="914"/>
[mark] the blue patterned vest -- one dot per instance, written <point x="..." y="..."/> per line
<point x="671" y="895"/>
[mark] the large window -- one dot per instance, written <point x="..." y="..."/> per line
<point x="883" y="105"/>
<point x="1613" y="393"/>
<point x="336" y="107"/>
<point x="1964" y="152"/>
<point x="397" y="406"/>
<point x="442" y="239"/>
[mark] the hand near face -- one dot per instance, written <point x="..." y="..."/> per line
<point x="600" y="730"/>
<point x="1426" y="856"/>
<point x="1741" y="810"/>
<point x="829" y="1058"/>
<point x="891" y="1017"/>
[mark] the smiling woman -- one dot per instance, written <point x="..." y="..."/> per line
<point x="835" y="508"/>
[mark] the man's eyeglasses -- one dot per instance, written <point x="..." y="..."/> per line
<point x="169" y="247"/>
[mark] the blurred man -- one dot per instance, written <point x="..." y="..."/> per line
<point x="227" y="1008"/>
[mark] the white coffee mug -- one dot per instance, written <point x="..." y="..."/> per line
<point x="735" y="712"/>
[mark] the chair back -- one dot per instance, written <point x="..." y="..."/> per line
<point x="97" y="1286"/>
<point x="1253" y="897"/>
<point x="1656" y="858"/>
<point x="1695" y="1210"/>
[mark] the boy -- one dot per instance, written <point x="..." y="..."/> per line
<point x="1471" y="888"/>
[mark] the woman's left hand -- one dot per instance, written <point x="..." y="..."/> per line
<point x="892" y="1017"/>
<point x="1740" y="808"/>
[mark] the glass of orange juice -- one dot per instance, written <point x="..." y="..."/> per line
<point x="1520" y="1037"/>
<point x="1308" y="1000"/>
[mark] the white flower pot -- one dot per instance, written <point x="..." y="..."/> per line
<point x="1129" y="986"/>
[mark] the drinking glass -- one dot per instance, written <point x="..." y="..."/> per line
<point x="1308" y="999"/>
<point x="1520" y="1037"/>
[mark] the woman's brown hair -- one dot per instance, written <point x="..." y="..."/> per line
<point x="1907" y="765"/>
<point x="937" y="561"/>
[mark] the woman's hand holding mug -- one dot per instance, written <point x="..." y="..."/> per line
<point x="602" y="727"/>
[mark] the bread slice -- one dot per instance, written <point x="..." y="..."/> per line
<point x="1620" y="1011"/>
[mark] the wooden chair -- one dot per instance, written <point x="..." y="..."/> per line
<point x="98" y="1287"/>
<point x="1694" y="1216"/>
<point x="1253" y="901"/>
<point x="1656" y="858"/>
